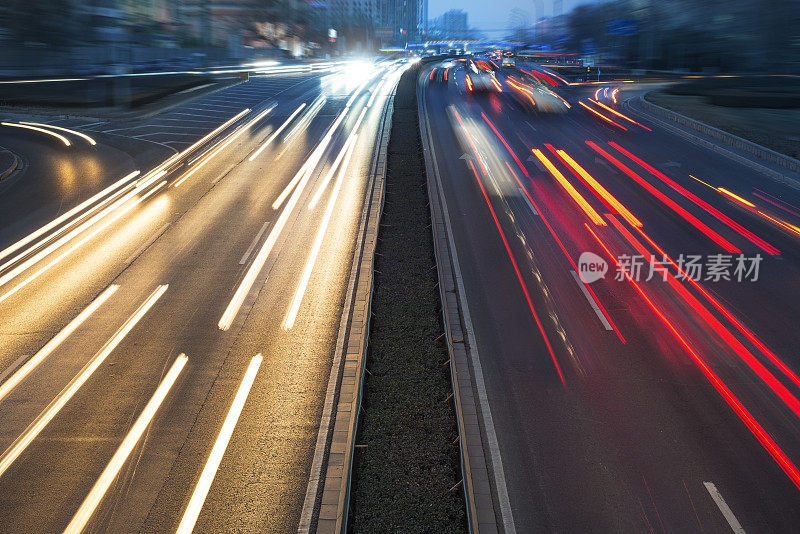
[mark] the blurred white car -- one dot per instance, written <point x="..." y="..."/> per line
<point x="481" y="78"/>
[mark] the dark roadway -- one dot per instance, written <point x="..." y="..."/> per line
<point x="208" y="227"/>
<point x="633" y="436"/>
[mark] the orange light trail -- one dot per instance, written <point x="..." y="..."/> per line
<point x="602" y="116"/>
<point x="519" y="276"/>
<point x="524" y="170"/>
<point x="735" y="197"/>
<point x="469" y="83"/>
<point x="432" y="73"/>
<point x="521" y="89"/>
<point x="736" y="227"/>
<point x="497" y="85"/>
<point x="765" y="439"/>
<point x="688" y="217"/>
<point x="564" y="250"/>
<point x="445" y="73"/>
<point x="600" y="192"/>
<point x="614" y="95"/>
<point x="570" y="189"/>
<point x="618" y="114"/>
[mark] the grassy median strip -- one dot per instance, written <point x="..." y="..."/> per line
<point x="407" y="466"/>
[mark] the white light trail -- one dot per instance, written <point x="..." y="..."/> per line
<point x="36" y="128"/>
<point x="49" y="226"/>
<point x="85" y="238"/>
<point x="219" y="149"/>
<point x="306" y="118"/>
<point x="110" y="473"/>
<point x="277" y="132"/>
<point x="308" y="167"/>
<point x="291" y="315"/>
<point x="330" y="173"/>
<point x="50" y="346"/>
<point x="35" y="428"/>
<point x="212" y="464"/>
<point x="73" y="132"/>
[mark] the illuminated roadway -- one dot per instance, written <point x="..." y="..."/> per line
<point x="166" y="342"/>
<point x="661" y="406"/>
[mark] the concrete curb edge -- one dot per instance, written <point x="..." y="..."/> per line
<point x="329" y="483"/>
<point x="744" y="145"/>
<point x="5" y="173"/>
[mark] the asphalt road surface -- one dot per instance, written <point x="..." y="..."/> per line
<point x="619" y="405"/>
<point x="166" y="342"/>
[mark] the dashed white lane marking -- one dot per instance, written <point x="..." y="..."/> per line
<point x="254" y="243"/>
<point x="724" y="508"/>
<point x="146" y="244"/>
<point x="592" y="302"/>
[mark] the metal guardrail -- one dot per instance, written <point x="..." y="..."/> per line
<point x="757" y="150"/>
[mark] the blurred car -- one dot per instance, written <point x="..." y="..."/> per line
<point x="531" y="94"/>
<point x="508" y="61"/>
<point x="481" y="78"/>
<point x="442" y="72"/>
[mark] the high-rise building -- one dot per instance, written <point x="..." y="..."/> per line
<point x="407" y="18"/>
<point x="451" y="24"/>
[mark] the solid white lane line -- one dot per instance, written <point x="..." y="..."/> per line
<point x="146" y="244"/>
<point x="277" y="132"/>
<point x="50" y="346"/>
<point x="35" y="428"/>
<point x="253" y="244"/>
<point x="83" y="240"/>
<point x="294" y="308"/>
<point x="74" y="132"/>
<point x="110" y="473"/>
<point x="724" y="508"/>
<point x="230" y="140"/>
<point x="36" y="128"/>
<point x="592" y="303"/>
<point x="58" y="220"/>
<point x="212" y="464"/>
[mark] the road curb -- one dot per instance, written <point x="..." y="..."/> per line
<point x="15" y="163"/>
<point x="328" y="495"/>
<point x="472" y="418"/>
<point x="790" y="164"/>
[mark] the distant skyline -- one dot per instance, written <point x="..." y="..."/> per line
<point x="494" y="14"/>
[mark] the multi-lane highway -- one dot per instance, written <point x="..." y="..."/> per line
<point x="169" y="301"/>
<point x="170" y="295"/>
<point x="622" y="403"/>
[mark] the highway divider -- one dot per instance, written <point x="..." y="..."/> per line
<point x="407" y="464"/>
